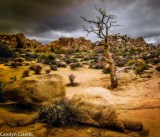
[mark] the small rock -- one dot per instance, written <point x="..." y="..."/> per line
<point x="145" y="76"/>
<point x="132" y="125"/>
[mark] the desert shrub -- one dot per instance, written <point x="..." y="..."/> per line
<point x="14" y="64"/>
<point x="2" y="60"/>
<point x="19" y="63"/>
<point x="106" y="70"/>
<point x="156" y="61"/>
<point x="99" y="65"/>
<point x="61" y="64"/>
<point x="26" y="63"/>
<point x="67" y="60"/>
<point x="36" y="67"/>
<point x="59" y="51"/>
<point x="85" y="58"/>
<point x="48" y="71"/>
<point x="132" y="51"/>
<point x="75" y="65"/>
<point x="25" y="73"/>
<point x="32" y="55"/>
<point x="13" y="79"/>
<point x="38" y="70"/>
<point x="2" y="86"/>
<point x="57" y="115"/>
<point x="123" y="53"/>
<point x="6" y="52"/>
<point x="74" y="60"/>
<point x="50" y="56"/>
<point x="140" y="65"/>
<point x="19" y="59"/>
<point x="46" y="58"/>
<point x="158" y="68"/>
<point x="33" y="66"/>
<point x="120" y="63"/>
<point x="53" y="67"/>
<point x="72" y="78"/>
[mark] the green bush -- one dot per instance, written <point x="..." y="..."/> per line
<point x="47" y="71"/>
<point x="140" y="65"/>
<point x="32" y="55"/>
<point x="14" y="64"/>
<point x="25" y="73"/>
<point x="132" y="51"/>
<point x="19" y="59"/>
<point x="2" y="86"/>
<point x="6" y="52"/>
<point x="75" y="65"/>
<point x="12" y="79"/>
<point x="50" y="56"/>
<point x="38" y="70"/>
<point x="106" y="70"/>
<point x="59" y="51"/>
<point x="57" y="115"/>
<point x="158" y="68"/>
<point x="46" y="58"/>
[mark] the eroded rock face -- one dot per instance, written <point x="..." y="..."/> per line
<point x="18" y="41"/>
<point x="72" y="43"/>
<point x="94" y="106"/>
<point x="38" y="90"/>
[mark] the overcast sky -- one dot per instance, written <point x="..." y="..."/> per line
<point x="47" y="20"/>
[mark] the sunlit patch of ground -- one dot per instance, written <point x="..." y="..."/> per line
<point x="7" y="72"/>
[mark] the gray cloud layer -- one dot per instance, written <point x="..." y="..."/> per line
<point x="51" y="19"/>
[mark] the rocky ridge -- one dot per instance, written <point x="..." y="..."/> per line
<point x="72" y="43"/>
<point x="19" y="41"/>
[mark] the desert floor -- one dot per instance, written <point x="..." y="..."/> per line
<point x="135" y="100"/>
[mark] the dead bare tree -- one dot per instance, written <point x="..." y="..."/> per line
<point x="100" y="27"/>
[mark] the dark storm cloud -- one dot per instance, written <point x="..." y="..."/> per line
<point x="34" y="15"/>
<point x="54" y="18"/>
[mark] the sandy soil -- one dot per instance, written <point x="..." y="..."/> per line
<point x="134" y="100"/>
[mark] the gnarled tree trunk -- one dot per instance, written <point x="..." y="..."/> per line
<point x="100" y="27"/>
<point x="113" y="76"/>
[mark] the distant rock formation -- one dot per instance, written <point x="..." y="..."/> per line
<point x="72" y="43"/>
<point x="126" y="47"/>
<point x="20" y="41"/>
<point x="119" y="45"/>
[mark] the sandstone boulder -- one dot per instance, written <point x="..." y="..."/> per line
<point x="36" y="90"/>
<point x="35" y="66"/>
<point x="94" y="106"/>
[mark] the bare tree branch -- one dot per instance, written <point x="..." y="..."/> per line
<point x="85" y="29"/>
<point x="125" y="68"/>
<point x="102" y="24"/>
<point x="89" y="21"/>
<point x="91" y="31"/>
